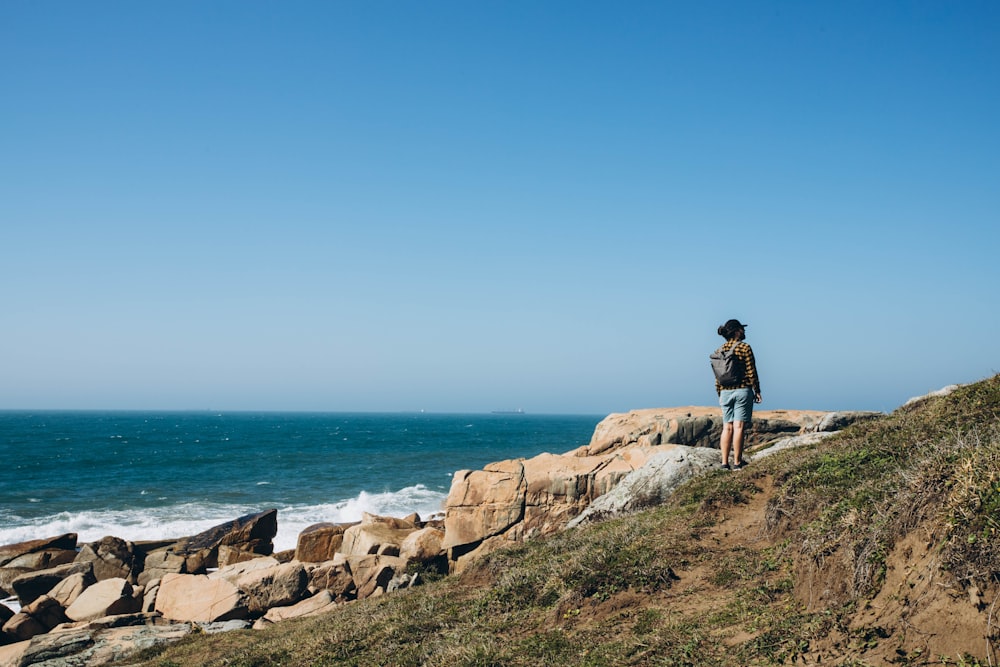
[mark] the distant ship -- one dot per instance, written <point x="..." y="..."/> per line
<point x="519" y="411"/>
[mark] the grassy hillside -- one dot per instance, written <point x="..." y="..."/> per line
<point x="880" y="545"/>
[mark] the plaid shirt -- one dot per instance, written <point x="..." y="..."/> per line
<point x="750" y="378"/>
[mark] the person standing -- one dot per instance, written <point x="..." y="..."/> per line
<point x="737" y="398"/>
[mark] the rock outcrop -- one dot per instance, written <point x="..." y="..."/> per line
<point x="694" y="426"/>
<point x="513" y="500"/>
<point x="651" y="484"/>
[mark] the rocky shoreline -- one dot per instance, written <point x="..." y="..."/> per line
<point x="103" y="600"/>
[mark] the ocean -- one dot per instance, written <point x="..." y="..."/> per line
<point x="157" y="475"/>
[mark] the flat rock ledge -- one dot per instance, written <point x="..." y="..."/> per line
<point x="92" y="603"/>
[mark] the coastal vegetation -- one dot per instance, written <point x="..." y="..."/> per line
<point x="878" y="545"/>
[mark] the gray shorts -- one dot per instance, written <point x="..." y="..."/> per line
<point x="737" y="404"/>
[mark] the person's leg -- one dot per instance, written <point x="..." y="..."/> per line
<point x="726" y="442"/>
<point x="742" y="415"/>
<point x="737" y="442"/>
<point x="726" y="400"/>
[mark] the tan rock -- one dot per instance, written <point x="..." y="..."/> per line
<point x="7" y="576"/>
<point x="149" y="597"/>
<point x="196" y="597"/>
<point x="319" y="542"/>
<point x="317" y="604"/>
<point x="278" y="586"/>
<point x="253" y="533"/>
<point x="286" y="556"/>
<point x="23" y="626"/>
<point x="422" y="545"/>
<point x="241" y="553"/>
<point x="334" y="576"/>
<point x="391" y="521"/>
<point x="34" y="584"/>
<point x="552" y="489"/>
<point x="9" y="552"/>
<point x="373" y="573"/>
<point x="69" y="589"/>
<point x="42" y="560"/>
<point x="233" y="573"/>
<point x="47" y="611"/>
<point x="12" y="655"/>
<point x="111" y="557"/>
<point x="483" y="503"/>
<point x="105" y="598"/>
<point x="696" y="426"/>
<point x="161" y="562"/>
<point x="95" y="643"/>
<point x="374" y="538"/>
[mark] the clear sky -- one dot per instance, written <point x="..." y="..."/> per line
<point x="468" y="206"/>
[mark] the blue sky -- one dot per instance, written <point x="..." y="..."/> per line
<point x="468" y="206"/>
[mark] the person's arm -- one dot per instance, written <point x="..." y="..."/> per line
<point x="752" y="376"/>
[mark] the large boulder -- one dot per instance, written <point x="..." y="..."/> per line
<point x="30" y="586"/>
<point x="112" y="558"/>
<point x="196" y="597"/>
<point x="69" y="589"/>
<point x="47" y="611"/>
<point x="277" y="586"/>
<point x="162" y="562"/>
<point x="373" y="573"/>
<point x="319" y="542"/>
<point x="110" y="597"/>
<point x="422" y="546"/>
<point x="375" y="535"/>
<point x="317" y="604"/>
<point x="7" y="577"/>
<point x="334" y="576"/>
<point x="250" y="534"/>
<point x="9" y="552"/>
<point x="95" y="643"/>
<point x="484" y="502"/>
<point x="41" y="560"/>
<point x="22" y="626"/>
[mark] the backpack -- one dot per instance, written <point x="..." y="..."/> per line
<point x="728" y="368"/>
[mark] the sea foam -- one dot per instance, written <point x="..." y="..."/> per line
<point x="176" y="521"/>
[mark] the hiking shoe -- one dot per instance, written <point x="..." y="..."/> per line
<point x="740" y="465"/>
<point x="725" y="466"/>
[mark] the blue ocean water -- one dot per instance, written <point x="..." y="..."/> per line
<point x="155" y="475"/>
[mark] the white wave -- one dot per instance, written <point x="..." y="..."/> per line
<point x="294" y="519"/>
<point x="175" y="521"/>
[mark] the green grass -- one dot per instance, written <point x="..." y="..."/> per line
<point x="624" y="592"/>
